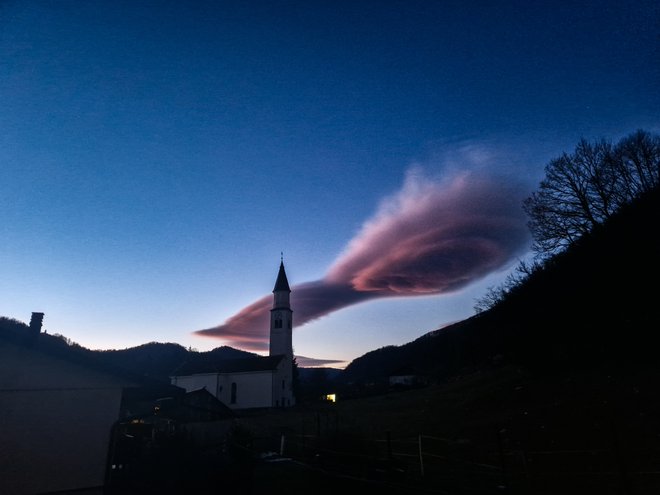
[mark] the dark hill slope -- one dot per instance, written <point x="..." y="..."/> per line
<point x="594" y="304"/>
<point x="152" y="359"/>
<point x="159" y="360"/>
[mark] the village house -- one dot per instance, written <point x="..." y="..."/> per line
<point x="58" y="406"/>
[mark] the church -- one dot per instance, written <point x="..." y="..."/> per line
<point x="254" y="382"/>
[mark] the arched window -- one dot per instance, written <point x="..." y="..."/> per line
<point x="233" y="393"/>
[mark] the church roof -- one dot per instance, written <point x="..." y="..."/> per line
<point x="242" y="365"/>
<point x="281" y="283"/>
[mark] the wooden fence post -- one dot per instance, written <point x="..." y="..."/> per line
<point x="389" y="445"/>
<point x="500" y="447"/>
<point x="421" y="458"/>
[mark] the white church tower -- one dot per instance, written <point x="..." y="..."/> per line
<point x="281" y="346"/>
<point x="281" y="318"/>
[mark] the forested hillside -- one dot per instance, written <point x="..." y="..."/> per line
<point x="589" y="303"/>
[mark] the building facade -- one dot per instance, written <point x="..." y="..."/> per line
<point x="58" y="406"/>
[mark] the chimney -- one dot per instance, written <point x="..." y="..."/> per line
<point x="35" y="324"/>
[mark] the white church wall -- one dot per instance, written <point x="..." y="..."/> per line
<point x="253" y="389"/>
<point x="283" y="385"/>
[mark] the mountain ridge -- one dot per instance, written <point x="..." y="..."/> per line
<point x="563" y="314"/>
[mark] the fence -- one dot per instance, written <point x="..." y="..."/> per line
<point x="435" y="463"/>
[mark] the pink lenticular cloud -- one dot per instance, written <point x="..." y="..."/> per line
<point x="430" y="238"/>
<point x="248" y="329"/>
<point x="434" y="237"/>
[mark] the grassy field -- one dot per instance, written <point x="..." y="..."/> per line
<point x="496" y="431"/>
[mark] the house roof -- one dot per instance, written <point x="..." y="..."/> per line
<point x="204" y="401"/>
<point x="194" y="406"/>
<point x="281" y="284"/>
<point x="206" y="364"/>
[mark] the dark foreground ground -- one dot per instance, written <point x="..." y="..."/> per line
<point x="498" y="431"/>
<point x="501" y="430"/>
<point x="291" y="477"/>
<point x="277" y="476"/>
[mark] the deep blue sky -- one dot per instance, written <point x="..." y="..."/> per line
<point x="156" y="157"/>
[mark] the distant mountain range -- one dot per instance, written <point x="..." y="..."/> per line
<point x="594" y="304"/>
<point x="160" y="360"/>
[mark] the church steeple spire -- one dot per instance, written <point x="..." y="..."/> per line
<point x="281" y="317"/>
<point x="281" y="284"/>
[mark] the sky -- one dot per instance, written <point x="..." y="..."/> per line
<point x="157" y="157"/>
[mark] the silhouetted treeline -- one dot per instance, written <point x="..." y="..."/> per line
<point x="584" y="189"/>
